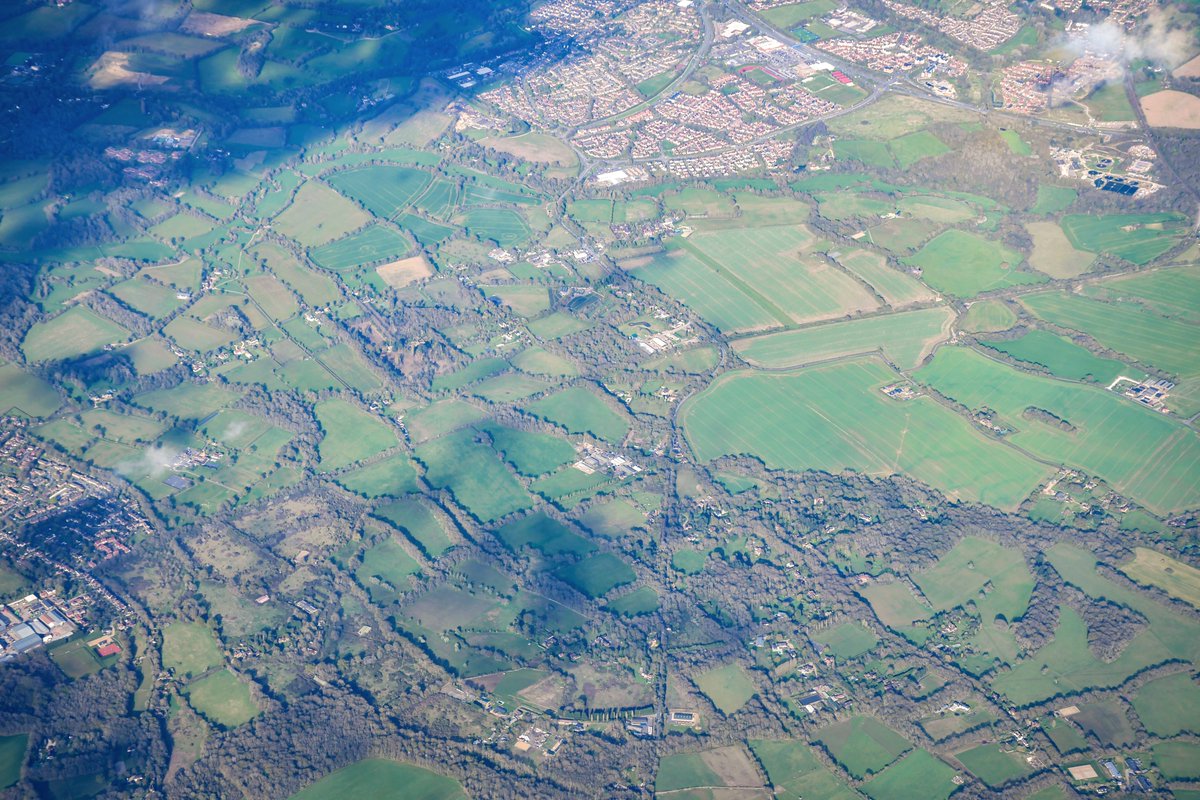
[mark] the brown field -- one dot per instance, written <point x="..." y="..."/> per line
<point x="1189" y="69"/>
<point x="537" y="147"/>
<point x="1172" y="109"/>
<point x="734" y="766"/>
<point x="207" y="24"/>
<point x="1176" y="578"/>
<point x="112" y="69"/>
<point x="1053" y="253"/>
<point x="546" y="693"/>
<point x="405" y="271"/>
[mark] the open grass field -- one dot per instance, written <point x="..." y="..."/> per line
<point x="945" y="724"/>
<point x="1126" y="327"/>
<point x="1064" y="735"/>
<point x="223" y="699"/>
<point x="318" y="215"/>
<point x="276" y="300"/>
<point x="1053" y="253"/>
<point x="24" y="394"/>
<point x="391" y="477"/>
<point x="1061" y="357"/>
<point x="1141" y="453"/>
<point x="315" y="288"/>
<point x="440" y="418"/>
<point x="536" y="147"/>
<point x="557" y="325"/>
<point x="744" y="280"/>
<point x="75" y="332"/>
<point x="1107" y="721"/>
<point x="729" y="766"/>
<point x="350" y="434"/>
<point x="863" y="745"/>
<point x="384" y="190"/>
<point x="1169" y="706"/>
<point x="1178" y="760"/>
<point x="544" y="534"/>
<point x="916" y="146"/>
<point x="895" y="604"/>
<point x="642" y="600"/>
<point x="503" y="226"/>
<point x="510" y="387"/>
<point x="368" y="246"/>
<point x="1170" y="292"/>
<point x="187" y="400"/>
<point x="420" y="524"/>
<point x="918" y="776"/>
<point x="581" y="411"/>
<point x="384" y="570"/>
<point x="189" y="648"/>
<point x="383" y="779"/>
<point x="474" y="371"/>
<point x="835" y="418"/>
<point x="866" y="151"/>
<point x="971" y="565"/>
<point x="1066" y="665"/>
<point x="728" y="687"/>
<point x="530" y="453"/>
<point x="964" y="264"/>
<point x="897" y="288"/>
<point x="526" y="300"/>
<point x="199" y="337"/>
<point x="1053" y="199"/>
<point x="12" y="758"/>
<point x="1139" y="238"/>
<point x="613" y="518"/>
<point x="146" y="296"/>
<point x="796" y="774"/>
<point x="596" y="575"/>
<point x="790" y="15"/>
<point x="848" y="640"/>
<point x="539" y="361"/>
<point x="905" y="339"/>
<point x="1151" y="568"/>
<point x="474" y="475"/>
<point x="992" y="765"/>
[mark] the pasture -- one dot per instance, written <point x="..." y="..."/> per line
<point x="416" y="520"/>
<point x="75" y="332"/>
<point x="1053" y="253"/>
<point x="895" y="604"/>
<point x="530" y="453"/>
<point x="370" y="245"/>
<point x="12" y="758"/>
<point x="223" y="699"/>
<point x="276" y="300"/>
<point x="728" y="687"/>
<point x="474" y="371"/>
<point x="1151" y="568"/>
<point x="199" y="337"/>
<point x="438" y="419"/>
<point x="536" y="147"/>
<point x="863" y="745"/>
<point x="539" y="361"/>
<point x="509" y="387"/>
<point x="316" y="289"/>
<point x="319" y="215"/>
<point x="964" y="264"/>
<point x="992" y="765"/>
<point x="187" y="400"/>
<point x="391" y="477"/>
<point x="580" y="411"/>
<point x="916" y="146"/>
<point x="350" y="435"/>
<point x="1141" y="453"/>
<point x="146" y="296"/>
<point x="383" y="779"/>
<point x="962" y="573"/>
<point x="724" y="766"/>
<point x="642" y="600"/>
<point x="1178" y="760"/>
<point x="1138" y="238"/>
<point x="834" y="418"/>
<point x="918" y="776"/>
<point x="796" y="774"/>
<point x="1170" y="705"/>
<point x="384" y="190"/>
<point x="596" y="575"/>
<point x="24" y="394"/>
<point x="897" y="288"/>
<point x="1172" y="293"/>
<point x="846" y="641"/>
<point x="988" y="316"/>
<point x="905" y="339"/>
<point x="503" y="226"/>
<point x="473" y="473"/>
<point x="522" y="299"/>
<point x="1061" y="357"/>
<point x="544" y="534"/>
<point x="1053" y="199"/>
<point x="945" y="724"/>
<point x="384" y="570"/>
<point x="613" y="518"/>
<point x="190" y="649"/>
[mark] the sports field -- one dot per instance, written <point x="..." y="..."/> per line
<point x="1139" y="238"/>
<point x="75" y="332"/>
<point x="383" y="779"/>
<point x="835" y="418"/>
<point x="1151" y="568"/>
<point x="1143" y="454"/>
<point x="351" y="435"/>
<point x="796" y="774"/>
<point x="728" y="687"/>
<point x="904" y="338"/>
<point x="964" y="264"/>
<point x="863" y="745"/>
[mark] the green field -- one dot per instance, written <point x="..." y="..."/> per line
<point x="1142" y="454"/>
<point x="383" y="779"/>
<point x="144" y="295"/>
<point x="1061" y="357"/>
<point x="23" y="393"/>
<point x="12" y="758"/>
<point x="189" y="648"/>
<point x="597" y="575"/>
<point x="1053" y="199"/>
<point x="642" y="600"/>
<point x="896" y="287"/>
<point x="982" y="571"/>
<point x="613" y="518"/>
<point x="1169" y="706"/>
<point x="371" y="244"/>
<point x="796" y="774"/>
<point x="385" y="191"/>
<point x="544" y="534"/>
<point x="474" y="474"/>
<point x="835" y="418"/>
<point x="418" y="522"/>
<point x="965" y="264"/>
<point x="384" y="569"/>
<point x="1171" y="292"/>
<point x="1178" y="760"/>
<point x="581" y="411"/>
<point x="503" y="226"/>
<point x="790" y="15"/>
<point x="918" y="776"/>
<point x="351" y="435"/>
<point x="476" y="370"/>
<point x="728" y="687"/>
<point x="539" y="361"/>
<point x="848" y="640"/>
<point x="904" y="338"/>
<point x="223" y="699"/>
<point x="749" y="279"/>
<point x="75" y="332"/>
<point x="440" y="418"/>
<point x="318" y="215"/>
<point x="863" y="745"/>
<point x="916" y="146"/>
<point x="531" y="454"/>
<point x="1139" y="238"/>
<point x="390" y="477"/>
<point x="510" y="387"/>
<point x="523" y="299"/>
<point x="1053" y="254"/>
<point x="992" y="765"/>
<point x="1151" y="568"/>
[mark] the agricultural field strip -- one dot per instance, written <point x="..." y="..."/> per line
<point x="767" y="305"/>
